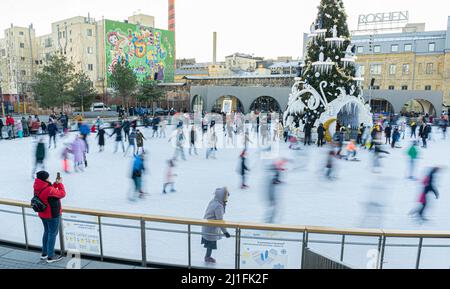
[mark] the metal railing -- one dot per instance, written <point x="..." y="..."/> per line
<point x="303" y="233"/>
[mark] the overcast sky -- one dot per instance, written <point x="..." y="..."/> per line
<point x="261" y="27"/>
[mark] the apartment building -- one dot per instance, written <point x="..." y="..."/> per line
<point x="413" y="61"/>
<point x="17" y="62"/>
<point x="83" y="41"/>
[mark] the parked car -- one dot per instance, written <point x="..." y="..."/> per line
<point x="99" y="106"/>
<point x="161" y="112"/>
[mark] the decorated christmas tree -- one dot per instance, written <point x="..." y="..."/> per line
<point x="328" y="73"/>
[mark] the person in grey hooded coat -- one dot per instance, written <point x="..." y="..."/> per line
<point x="215" y="212"/>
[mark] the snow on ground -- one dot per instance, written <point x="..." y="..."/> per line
<point x="306" y="198"/>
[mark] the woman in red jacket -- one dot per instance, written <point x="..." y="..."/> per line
<point x="51" y="195"/>
<point x="10" y="125"/>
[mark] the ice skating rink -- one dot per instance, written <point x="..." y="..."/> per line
<point x="305" y="198"/>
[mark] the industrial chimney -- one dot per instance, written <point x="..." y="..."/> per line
<point x="214" y="48"/>
<point x="172" y="26"/>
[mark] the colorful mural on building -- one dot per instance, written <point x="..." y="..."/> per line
<point x="149" y="51"/>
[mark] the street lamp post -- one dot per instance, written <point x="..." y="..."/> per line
<point x="1" y="96"/>
<point x="82" y="105"/>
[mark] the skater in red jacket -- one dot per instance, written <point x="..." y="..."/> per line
<point x="51" y="195"/>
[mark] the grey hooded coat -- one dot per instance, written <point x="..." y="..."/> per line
<point x="215" y="211"/>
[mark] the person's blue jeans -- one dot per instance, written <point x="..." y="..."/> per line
<point x="412" y="166"/>
<point x="51" y="228"/>
<point x="137" y="184"/>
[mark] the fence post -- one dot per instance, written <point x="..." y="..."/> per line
<point x="25" y="227"/>
<point x="383" y="247"/>
<point x="304" y="246"/>
<point x="61" y="236"/>
<point x="143" y="244"/>
<point x="419" y="253"/>
<point x="100" y="236"/>
<point x="380" y="241"/>
<point x="237" y="250"/>
<point x="189" y="247"/>
<point x="342" y="248"/>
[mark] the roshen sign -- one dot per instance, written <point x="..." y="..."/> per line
<point x="383" y="17"/>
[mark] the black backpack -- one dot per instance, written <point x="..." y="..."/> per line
<point x="37" y="204"/>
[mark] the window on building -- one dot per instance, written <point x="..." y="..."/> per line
<point x="21" y="33"/>
<point x="394" y="48"/>
<point x="90" y="50"/>
<point x="377" y="49"/>
<point x="404" y="87"/>
<point x="22" y="45"/>
<point x="432" y="47"/>
<point x="405" y="69"/>
<point x="3" y="52"/>
<point x="376" y="87"/>
<point x="430" y="68"/>
<point x="392" y="69"/>
<point x="23" y="73"/>
<point x="64" y="34"/>
<point x="391" y="87"/>
<point x="427" y="87"/>
<point x="360" y="49"/>
<point x="89" y="32"/>
<point x="408" y="47"/>
<point x="420" y="69"/>
<point x="22" y="58"/>
<point x="90" y="67"/>
<point x="362" y="69"/>
<point x="48" y="42"/>
<point x="375" y="69"/>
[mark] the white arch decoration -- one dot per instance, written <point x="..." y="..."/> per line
<point x="332" y="109"/>
<point x="343" y="101"/>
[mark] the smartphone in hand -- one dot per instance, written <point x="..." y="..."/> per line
<point x="58" y="177"/>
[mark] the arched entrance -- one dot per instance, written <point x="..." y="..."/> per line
<point x="228" y="104"/>
<point x="419" y="107"/>
<point x="382" y="106"/>
<point x="198" y="104"/>
<point x="348" y="117"/>
<point x="265" y="104"/>
<point x="347" y="111"/>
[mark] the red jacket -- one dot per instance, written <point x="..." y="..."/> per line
<point x="51" y="195"/>
<point x="9" y="121"/>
